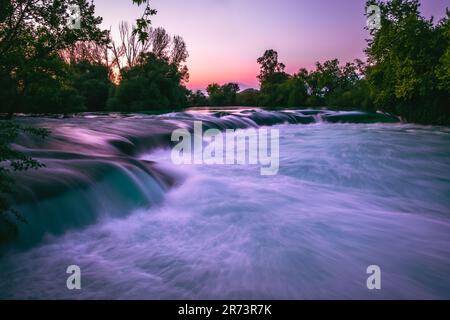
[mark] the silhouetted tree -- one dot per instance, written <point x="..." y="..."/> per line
<point x="269" y="65"/>
<point x="32" y="33"/>
<point x="128" y="53"/>
<point x="271" y="77"/>
<point x="151" y="85"/>
<point x="197" y="99"/>
<point x="130" y="48"/>
<point x="248" y="97"/>
<point x="222" y="95"/>
<point x="179" y="55"/>
<point x="161" y="43"/>
<point x="91" y="81"/>
<point x="143" y="24"/>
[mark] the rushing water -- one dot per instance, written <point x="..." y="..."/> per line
<point x="347" y="196"/>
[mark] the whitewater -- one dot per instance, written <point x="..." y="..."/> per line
<point x="352" y="191"/>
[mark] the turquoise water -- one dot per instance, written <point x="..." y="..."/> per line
<point x="347" y="196"/>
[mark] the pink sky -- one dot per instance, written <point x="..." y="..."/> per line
<point x="225" y="37"/>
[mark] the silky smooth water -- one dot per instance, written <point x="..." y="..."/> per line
<point x="347" y="196"/>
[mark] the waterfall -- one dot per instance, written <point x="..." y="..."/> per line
<point x="93" y="165"/>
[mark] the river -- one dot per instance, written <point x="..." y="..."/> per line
<point x="346" y="196"/>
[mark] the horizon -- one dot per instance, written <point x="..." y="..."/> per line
<point x="239" y="32"/>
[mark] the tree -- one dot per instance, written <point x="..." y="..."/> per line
<point x="408" y="69"/>
<point x="197" y="99"/>
<point x="230" y="91"/>
<point x="330" y="84"/>
<point x="153" y="84"/>
<point x="328" y="76"/>
<point x="131" y="47"/>
<point x="215" y="95"/>
<point x="91" y="82"/>
<point x="128" y="53"/>
<point x="269" y="65"/>
<point x="295" y="92"/>
<point x="338" y="86"/>
<point x="222" y="95"/>
<point x="31" y="35"/>
<point x="179" y="55"/>
<point x="248" y="97"/>
<point x="443" y="68"/>
<point x="271" y="77"/>
<point x="161" y="43"/>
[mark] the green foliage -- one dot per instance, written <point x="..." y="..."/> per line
<point x="12" y="160"/>
<point x="152" y="85"/>
<point x="91" y="82"/>
<point x="48" y="89"/>
<point x="56" y="87"/>
<point x="296" y="91"/>
<point x="409" y="63"/>
<point x="17" y="161"/>
<point x="143" y="23"/>
<point x="215" y="94"/>
<point x="272" y="79"/>
<point x="273" y="89"/>
<point x="32" y="33"/>
<point x="353" y="98"/>
<point x="330" y="84"/>
<point x="248" y="97"/>
<point x="197" y="99"/>
<point x="225" y="95"/>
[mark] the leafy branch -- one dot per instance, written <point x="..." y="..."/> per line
<point x="12" y="160"/>
<point x="144" y="22"/>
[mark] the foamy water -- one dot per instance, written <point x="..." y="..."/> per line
<point x="347" y="196"/>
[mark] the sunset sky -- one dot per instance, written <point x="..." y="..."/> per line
<point x="225" y="37"/>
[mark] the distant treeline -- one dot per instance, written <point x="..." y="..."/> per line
<point x="328" y="85"/>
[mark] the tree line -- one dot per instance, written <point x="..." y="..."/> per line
<point x="329" y="85"/>
<point x="51" y="68"/>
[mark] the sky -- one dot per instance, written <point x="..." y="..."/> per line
<point x="225" y="37"/>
